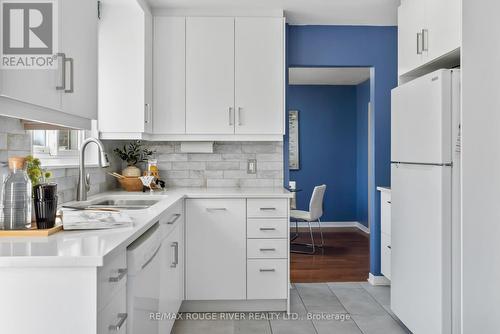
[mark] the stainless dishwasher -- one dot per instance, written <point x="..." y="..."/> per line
<point x="143" y="282"/>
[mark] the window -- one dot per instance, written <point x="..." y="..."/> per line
<point x="57" y="147"/>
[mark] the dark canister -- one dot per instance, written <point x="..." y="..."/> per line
<point x="45" y="203"/>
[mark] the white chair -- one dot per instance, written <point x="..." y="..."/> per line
<point x="314" y="214"/>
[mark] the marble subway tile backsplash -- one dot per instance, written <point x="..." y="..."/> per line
<point x="16" y="141"/>
<point x="225" y="167"/>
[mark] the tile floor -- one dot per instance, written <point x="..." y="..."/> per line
<point x="365" y="309"/>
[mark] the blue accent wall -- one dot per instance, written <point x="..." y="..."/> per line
<point x="327" y="143"/>
<point x="362" y="100"/>
<point x="357" y="46"/>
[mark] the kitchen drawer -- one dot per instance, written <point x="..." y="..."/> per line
<point x="110" y="278"/>
<point x="385" y="212"/>
<point x="267" y="279"/>
<point x="172" y="217"/>
<point x="267" y="248"/>
<point x="385" y="255"/>
<point x="267" y="207"/>
<point x="113" y="318"/>
<point x="267" y="228"/>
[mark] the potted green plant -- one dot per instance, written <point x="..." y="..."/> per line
<point x="133" y="153"/>
<point x="35" y="172"/>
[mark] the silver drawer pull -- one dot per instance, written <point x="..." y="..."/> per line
<point x="267" y="229"/>
<point x="389" y="202"/>
<point x="176" y="216"/>
<point x="121" y="274"/>
<point x="118" y="326"/>
<point x="389" y="246"/>
<point x="267" y="270"/>
<point x="216" y="209"/>
<point x="175" y="246"/>
<point x="268" y="249"/>
<point x="267" y="209"/>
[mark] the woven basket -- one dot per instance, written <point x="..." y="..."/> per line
<point x="131" y="184"/>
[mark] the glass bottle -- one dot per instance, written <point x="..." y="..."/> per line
<point x="17" y="196"/>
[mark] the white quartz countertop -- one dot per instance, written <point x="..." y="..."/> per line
<point x="90" y="248"/>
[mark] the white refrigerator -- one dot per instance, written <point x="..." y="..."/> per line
<point x="425" y="182"/>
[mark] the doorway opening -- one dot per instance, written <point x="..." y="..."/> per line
<point x="330" y="133"/>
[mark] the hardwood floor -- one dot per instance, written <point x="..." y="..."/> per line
<point x="345" y="258"/>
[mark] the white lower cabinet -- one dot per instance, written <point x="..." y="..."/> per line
<point x="215" y="249"/>
<point x="113" y="318"/>
<point x="385" y="236"/>
<point x="112" y="296"/>
<point x="267" y="248"/>
<point x="267" y="278"/>
<point x="267" y="228"/>
<point x="235" y="251"/>
<point x="171" y="278"/>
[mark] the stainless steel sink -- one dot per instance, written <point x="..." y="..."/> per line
<point x="124" y="204"/>
<point x="120" y="204"/>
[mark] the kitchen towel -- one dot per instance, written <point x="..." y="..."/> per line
<point x="94" y="220"/>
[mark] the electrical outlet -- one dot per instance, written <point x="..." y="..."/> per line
<point x="252" y="166"/>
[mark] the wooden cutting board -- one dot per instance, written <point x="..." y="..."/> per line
<point x="33" y="232"/>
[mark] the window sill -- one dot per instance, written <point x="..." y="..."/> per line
<point x="62" y="165"/>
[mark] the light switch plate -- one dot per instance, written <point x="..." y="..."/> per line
<point x="252" y="166"/>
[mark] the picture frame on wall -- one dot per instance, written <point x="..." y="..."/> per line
<point x="293" y="140"/>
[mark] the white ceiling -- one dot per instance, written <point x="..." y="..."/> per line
<point x="299" y="12"/>
<point x="328" y="75"/>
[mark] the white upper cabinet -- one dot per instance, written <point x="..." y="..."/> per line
<point x="444" y="27"/>
<point x="210" y="75"/>
<point x="80" y="45"/>
<point x="218" y="78"/>
<point x="169" y="77"/>
<point x="428" y="30"/>
<point x="125" y="69"/>
<point x="259" y="75"/>
<point x="410" y="21"/>
<point x="65" y="96"/>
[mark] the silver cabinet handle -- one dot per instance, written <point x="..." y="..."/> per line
<point x="146" y="113"/>
<point x="267" y="229"/>
<point x="388" y="246"/>
<point x="121" y="274"/>
<point x="176" y="216"/>
<point x="267" y="209"/>
<point x="267" y="270"/>
<point x="63" y="71"/>
<point x="71" y="76"/>
<point x="231" y="122"/>
<point x="240" y="122"/>
<point x="389" y="202"/>
<point x="175" y="246"/>
<point x="268" y="249"/>
<point x="425" y="40"/>
<point x="419" y="43"/>
<point x="118" y="326"/>
<point x="216" y="209"/>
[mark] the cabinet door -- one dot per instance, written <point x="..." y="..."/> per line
<point x="122" y="64"/>
<point x="169" y="75"/>
<point x="411" y="16"/>
<point x="444" y="27"/>
<point x="209" y="75"/>
<point x="259" y="78"/>
<point x="215" y="249"/>
<point x="79" y="42"/>
<point x="171" y="285"/>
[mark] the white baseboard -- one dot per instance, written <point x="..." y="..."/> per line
<point x="378" y="280"/>
<point x="357" y="225"/>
